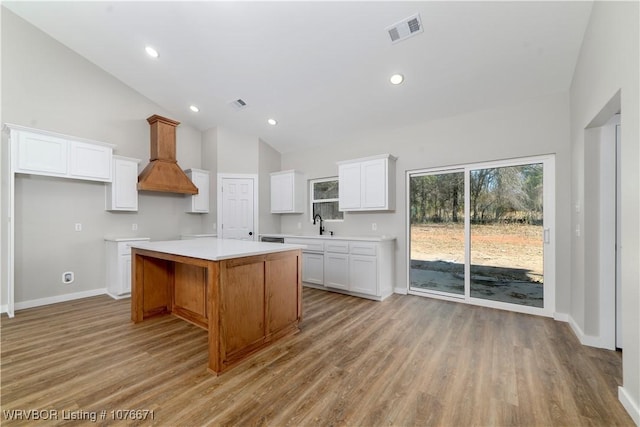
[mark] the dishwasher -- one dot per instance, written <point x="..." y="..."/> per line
<point x="269" y="239"/>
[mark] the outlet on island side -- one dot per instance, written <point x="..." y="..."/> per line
<point x="374" y="226"/>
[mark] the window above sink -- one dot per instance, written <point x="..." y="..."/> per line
<point x="323" y="197"/>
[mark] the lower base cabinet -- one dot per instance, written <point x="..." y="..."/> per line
<point x="313" y="268"/>
<point x="359" y="268"/>
<point x="118" y="274"/>
<point x="336" y="271"/>
<point x="363" y="274"/>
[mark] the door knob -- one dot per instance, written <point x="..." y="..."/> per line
<point x="251" y="233"/>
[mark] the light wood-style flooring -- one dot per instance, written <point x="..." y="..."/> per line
<point x="404" y="361"/>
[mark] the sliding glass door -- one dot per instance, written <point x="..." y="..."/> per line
<point x="437" y="232"/>
<point x="482" y="233"/>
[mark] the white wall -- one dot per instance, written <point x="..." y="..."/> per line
<point x="608" y="63"/>
<point x="50" y="87"/>
<point x="210" y="163"/>
<point x="269" y="161"/>
<point x="237" y="152"/>
<point x="532" y="128"/>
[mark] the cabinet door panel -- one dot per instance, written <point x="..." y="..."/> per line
<point x="336" y="271"/>
<point x="242" y="308"/>
<point x="201" y="200"/>
<point x="363" y="273"/>
<point x="374" y="184"/>
<point x="282" y="293"/>
<point x="282" y="193"/>
<point x="349" y="177"/>
<point x="90" y="161"/>
<point x="313" y="268"/>
<point x="125" y="266"/>
<point x="125" y="181"/>
<point x="41" y="154"/>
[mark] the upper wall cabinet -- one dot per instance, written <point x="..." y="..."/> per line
<point x="287" y="192"/>
<point x="198" y="203"/>
<point x="367" y="184"/>
<point x="40" y="152"/>
<point x="122" y="192"/>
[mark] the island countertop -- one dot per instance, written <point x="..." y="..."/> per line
<point x="214" y="249"/>
<point x="381" y="238"/>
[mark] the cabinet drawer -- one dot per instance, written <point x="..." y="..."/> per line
<point x="339" y="247"/>
<point x="313" y="245"/>
<point x="362" y="248"/>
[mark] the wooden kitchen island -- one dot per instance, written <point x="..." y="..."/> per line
<point x="246" y="294"/>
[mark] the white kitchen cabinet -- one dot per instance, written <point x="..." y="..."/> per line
<point x="287" y="192"/>
<point x="198" y="203"/>
<point x="90" y="161"/>
<point x="313" y="268"/>
<point x="121" y="194"/>
<point x="39" y="152"/>
<point x="367" y="184"/>
<point x="336" y="270"/>
<point x="118" y="274"/>
<point x="363" y="274"/>
<point x="359" y="267"/>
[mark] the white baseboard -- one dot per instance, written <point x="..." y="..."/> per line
<point x="561" y="317"/>
<point x="590" y="340"/>
<point x="128" y="295"/>
<point x="401" y="291"/>
<point x="3" y="308"/>
<point x="628" y="403"/>
<point x="59" y="298"/>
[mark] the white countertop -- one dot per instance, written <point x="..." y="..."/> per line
<point x="125" y="239"/>
<point x="334" y="237"/>
<point x="214" y="249"/>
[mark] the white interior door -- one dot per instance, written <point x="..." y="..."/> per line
<point x="238" y="209"/>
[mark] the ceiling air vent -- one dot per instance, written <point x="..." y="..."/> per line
<point x="238" y="104"/>
<point x="404" y="29"/>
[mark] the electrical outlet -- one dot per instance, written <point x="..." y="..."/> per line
<point x="374" y="226"/>
<point x="67" y="277"/>
<point x="299" y="225"/>
<point x="215" y="226"/>
<point x="134" y="227"/>
<point x="78" y="226"/>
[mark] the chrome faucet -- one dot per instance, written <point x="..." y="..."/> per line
<point x="314" y="222"/>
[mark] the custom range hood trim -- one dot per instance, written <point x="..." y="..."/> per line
<point x="163" y="173"/>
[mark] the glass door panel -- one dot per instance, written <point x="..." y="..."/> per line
<point x="437" y="235"/>
<point x="506" y="233"/>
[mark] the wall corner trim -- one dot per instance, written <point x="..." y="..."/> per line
<point x="630" y="406"/>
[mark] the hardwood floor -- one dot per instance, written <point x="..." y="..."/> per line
<point x="404" y="361"/>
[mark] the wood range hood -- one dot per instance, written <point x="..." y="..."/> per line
<point x="163" y="173"/>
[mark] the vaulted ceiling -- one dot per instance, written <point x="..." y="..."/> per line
<point x="322" y="69"/>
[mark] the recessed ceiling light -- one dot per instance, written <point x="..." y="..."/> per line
<point x="396" y="79"/>
<point x="272" y="122"/>
<point x="194" y="108"/>
<point x="151" y="52"/>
